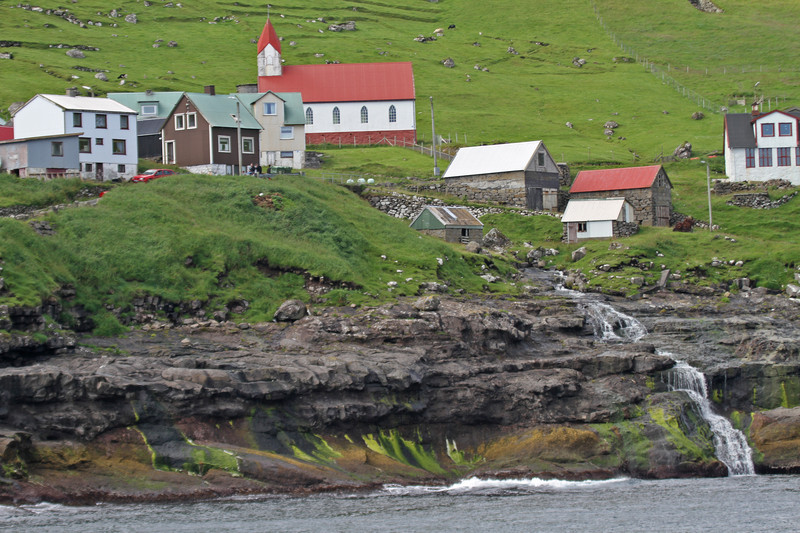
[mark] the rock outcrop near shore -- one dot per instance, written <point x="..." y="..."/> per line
<point x="348" y="398"/>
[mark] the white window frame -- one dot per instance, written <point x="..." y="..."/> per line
<point x="191" y="121"/>
<point x="268" y="106"/>
<point x="251" y="142"/>
<point x="119" y="142"/>
<point x="223" y="139"/>
<point x="149" y="109"/>
<point x="287" y="132"/>
<point x="392" y="113"/>
<point x="336" y="116"/>
<point x="180" y="121"/>
<point x="364" y="115"/>
<point x="309" y="116"/>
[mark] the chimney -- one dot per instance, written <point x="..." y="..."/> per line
<point x="72" y="91"/>
<point x="210" y="89"/>
<point x="755" y="112"/>
<point x="148" y="92"/>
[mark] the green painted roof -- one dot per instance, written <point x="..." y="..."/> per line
<point x="292" y="105"/>
<point x="165" y="101"/>
<point x="220" y="109"/>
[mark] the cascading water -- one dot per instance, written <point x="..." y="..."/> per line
<point x="612" y="326"/>
<point x="730" y="443"/>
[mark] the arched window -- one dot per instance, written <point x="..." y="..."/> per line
<point x="392" y="114"/>
<point x="336" y="116"/>
<point x="364" y="115"/>
<point x="309" y="116"/>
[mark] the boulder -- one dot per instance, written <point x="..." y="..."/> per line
<point x="473" y="247"/>
<point x="76" y="54"/>
<point x="449" y="63"/>
<point x="428" y="303"/>
<point x="495" y="239"/>
<point x="290" y="310"/>
<point x="579" y="254"/>
<point x="131" y="17"/>
<point x="101" y="76"/>
<point x="683" y="151"/>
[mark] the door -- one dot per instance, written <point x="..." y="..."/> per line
<point x="535" y="198"/>
<point x="98" y="171"/>
<point x="170" y="155"/>
<point x="662" y="215"/>
<point x="572" y="232"/>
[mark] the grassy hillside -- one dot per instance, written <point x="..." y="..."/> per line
<point x="217" y="239"/>
<point x="529" y="95"/>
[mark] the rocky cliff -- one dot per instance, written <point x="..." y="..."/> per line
<point x="425" y="391"/>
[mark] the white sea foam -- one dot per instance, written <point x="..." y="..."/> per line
<point x="474" y="484"/>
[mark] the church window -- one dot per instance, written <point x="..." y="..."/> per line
<point x="309" y="116"/>
<point x="392" y="114"/>
<point x="364" y="115"/>
<point x="337" y="118"/>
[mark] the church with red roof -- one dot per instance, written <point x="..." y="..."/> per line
<point x="647" y="189"/>
<point x="355" y="103"/>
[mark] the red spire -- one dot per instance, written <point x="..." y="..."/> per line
<point x="268" y="36"/>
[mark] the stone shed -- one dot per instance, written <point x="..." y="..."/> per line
<point x="453" y="224"/>
<point x="517" y="174"/>
<point x="598" y="219"/>
<point x="647" y="189"/>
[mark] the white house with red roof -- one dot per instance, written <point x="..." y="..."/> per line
<point x="356" y="103"/>
<point x="760" y="147"/>
<point x="647" y="189"/>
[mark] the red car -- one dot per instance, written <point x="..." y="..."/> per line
<point x="152" y="174"/>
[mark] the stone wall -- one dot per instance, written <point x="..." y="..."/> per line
<point x="405" y="206"/>
<point x="625" y="229"/>
<point x="507" y="188"/>
<point x="729" y="187"/>
<point x="759" y="200"/>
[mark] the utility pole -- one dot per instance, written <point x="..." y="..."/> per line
<point x="433" y="129"/>
<point x="708" y="186"/>
<point x="238" y="133"/>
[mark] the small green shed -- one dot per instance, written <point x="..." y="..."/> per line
<point x="453" y="224"/>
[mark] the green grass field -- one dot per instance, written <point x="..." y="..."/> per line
<point x="524" y="96"/>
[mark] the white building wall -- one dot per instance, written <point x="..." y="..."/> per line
<point x="38" y="118"/>
<point x="597" y="229"/>
<point x="350" y="115"/>
<point x="736" y="159"/>
<point x="104" y="154"/>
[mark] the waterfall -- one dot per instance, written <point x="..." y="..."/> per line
<point x="611" y="325"/>
<point x="730" y="443"/>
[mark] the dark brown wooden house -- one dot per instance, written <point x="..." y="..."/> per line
<point x="201" y="134"/>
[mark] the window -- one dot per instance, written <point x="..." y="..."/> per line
<point x="540" y="158"/>
<point x="123" y="122"/>
<point x="582" y="227"/>
<point x="364" y="115"/>
<point x="191" y="121"/>
<point x="85" y="145"/>
<point x="77" y="120"/>
<point x="337" y="117"/>
<point x="118" y="146"/>
<point x="765" y="157"/>
<point x="392" y="114"/>
<point x="224" y="143"/>
<point x="149" y="109"/>
<point x="87" y="167"/>
<point x="287" y="132"/>
<point x="247" y="145"/>
<point x="309" y="116"/>
<point x="57" y="148"/>
<point x="797" y="156"/>
<point x="287" y="155"/>
<point x="784" y="157"/>
<point x="270" y="108"/>
<point x="121" y="169"/>
<point x="768" y="130"/>
<point x="99" y="141"/>
<point x="179" y="122"/>
<point x="785" y="129"/>
<point x="750" y="157"/>
<point x="100" y="121"/>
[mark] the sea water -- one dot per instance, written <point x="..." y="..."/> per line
<point x="746" y="503"/>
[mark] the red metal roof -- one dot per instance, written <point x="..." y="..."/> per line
<point x="615" y="179"/>
<point x="6" y="133"/>
<point x="344" y="82"/>
<point x="268" y="36"/>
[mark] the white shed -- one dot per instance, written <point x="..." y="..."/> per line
<point x="597" y="219"/>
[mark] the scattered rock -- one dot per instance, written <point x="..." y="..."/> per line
<point x="683" y="151"/>
<point x="579" y="254"/>
<point x="449" y="63"/>
<point x="131" y="17"/>
<point x="428" y="303"/>
<point x="76" y="54"/>
<point x="101" y="76"/>
<point x="697" y="115"/>
<point x="578" y="62"/>
<point x="495" y="239"/>
<point x="290" y="311"/>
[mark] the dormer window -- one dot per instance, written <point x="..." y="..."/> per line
<point x="149" y="109"/>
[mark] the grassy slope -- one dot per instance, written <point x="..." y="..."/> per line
<point x="139" y="237"/>
<point x="522" y="97"/>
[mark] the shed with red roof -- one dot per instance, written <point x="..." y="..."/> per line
<point x="647" y="189"/>
<point x="355" y="103"/>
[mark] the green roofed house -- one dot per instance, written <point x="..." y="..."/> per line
<point x="283" y="138"/>
<point x="453" y="224"/>
<point x="202" y="134"/>
<point x="153" y="108"/>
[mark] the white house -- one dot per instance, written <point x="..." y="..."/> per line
<point x="344" y="103"/>
<point x="597" y="219"/>
<point x="107" y="143"/>
<point x="762" y="146"/>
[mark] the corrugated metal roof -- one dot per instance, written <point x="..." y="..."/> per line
<point x="219" y="110"/>
<point x="268" y="36"/>
<point x="451" y="216"/>
<point x="57" y="136"/>
<point x="615" y="179"/>
<point x="149" y="126"/>
<point x="491" y="159"/>
<point x="740" y="130"/>
<point x="165" y="100"/>
<point x="292" y="105"/>
<point x="344" y="82"/>
<point x="87" y="103"/>
<point x="593" y="210"/>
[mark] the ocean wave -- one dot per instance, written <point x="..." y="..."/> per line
<point x="476" y="485"/>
